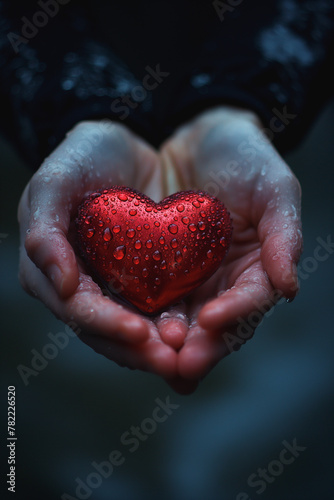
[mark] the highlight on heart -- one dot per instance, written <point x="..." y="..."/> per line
<point x="152" y="254"/>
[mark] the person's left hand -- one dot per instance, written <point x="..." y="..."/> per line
<point x="224" y="152"/>
<point x="92" y="156"/>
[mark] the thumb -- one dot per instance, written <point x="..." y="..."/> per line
<point x="281" y="237"/>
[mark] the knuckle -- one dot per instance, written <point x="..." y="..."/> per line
<point x="33" y="242"/>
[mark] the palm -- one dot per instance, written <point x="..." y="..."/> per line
<point x="183" y="343"/>
<point x="47" y="208"/>
<point x="263" y="198"/>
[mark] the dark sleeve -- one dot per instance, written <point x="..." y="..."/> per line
<point x="273" y="57"/>
<point x="55" y="72"/>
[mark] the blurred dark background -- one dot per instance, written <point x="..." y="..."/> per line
<point x="279" y="387"/>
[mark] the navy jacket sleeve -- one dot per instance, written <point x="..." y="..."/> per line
<point x="55" y="72"/>
<point x="273" y="57"/>
<point x="63" y="61"/>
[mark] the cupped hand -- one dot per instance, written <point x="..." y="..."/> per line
<point x="92" y="156"/>
<point x="224" y="151"/>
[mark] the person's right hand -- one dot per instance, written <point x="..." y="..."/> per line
<point x="224" y="151"/>
<point x="94" y="155"/>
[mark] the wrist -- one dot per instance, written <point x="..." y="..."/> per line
<point x="230" y="114"/>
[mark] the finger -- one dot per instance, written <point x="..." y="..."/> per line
<point x="252" y="291"/>
<point x="173" y="326"/>
<point x="182" y="386"/>
<point x="280" y="234"/>
<point x="45" y="236"/>
<point x="87" y="308"/>
<point x="200" y="353"/>
<point x="149" y="356"/>
<point x="97" y="314"/>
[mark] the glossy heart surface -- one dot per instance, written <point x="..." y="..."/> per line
<point x="152" y="254"/>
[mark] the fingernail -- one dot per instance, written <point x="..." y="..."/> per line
<point x="55" y="275"/>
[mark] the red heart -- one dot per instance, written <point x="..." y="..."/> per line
<point x="152" y="254"/>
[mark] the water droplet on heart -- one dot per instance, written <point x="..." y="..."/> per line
<point x="145" y="272"/>
<point x="138" y="245"/>
<point x="122" y="197"/>
<point x="180" y="208"/>
<point x="196" y="203"/>
<point x="157" y="224"/>
<point x="116" y="229"/>
<point x="172" y="228"/>
<point x="148" y="209"/>
<point x="136" y="260"/>
<point x="157" y="281"/>
<point x="90" y="232"/>
<point x="136" y="279"/>
<point x="213" y="243"/>
<point x="96" y="201"/>
<point x="107" y="234"/>
<point x="88" y="219"/>
<point x="133" y="212"/>
<point x="178" y="257"/>
<point x="119" y="252"/>
<point x="162" y="240"/>
<point x="203" y="265"/>
<point x="172" y="276"/>
<point x="209" y="254"/>
<point x="130" y="233"/>
<point x="139" y="227"/>
<point x="146" y="226"/>
<point x="201" y="225"/>
<point x="136" y="203"/>
<point x="146" y="257"/>
<point x="148" y="300"/>
<point x="173" y="243"/>
<point x="156" y="255"/>
<point x="163" y="265"/>
<point x="184" y="249"/>
<point x="222" y="241"/>
<point x="192" y="227"/>
<point x="149" y="244"/>
<point x="114" y="211"/>
<point x="202" y="213"/>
